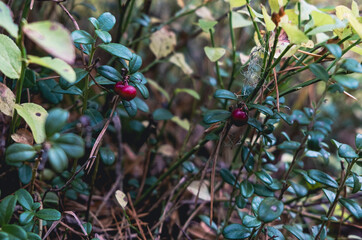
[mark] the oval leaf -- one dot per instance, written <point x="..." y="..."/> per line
<point x="214" y="54"/>
<point x="323" y="178"/>
<point x="10" y="57"/>
<point x="270" y="209"/>
<point x="224" y="94"/>
<point x="236" y="231"/>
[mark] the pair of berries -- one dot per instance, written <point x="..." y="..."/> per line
<point x="239" y="117"/>
<point x="125" y="91"/>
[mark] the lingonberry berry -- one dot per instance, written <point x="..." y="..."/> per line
<point x="125" y="91"/>
<point x="239" y="117"/>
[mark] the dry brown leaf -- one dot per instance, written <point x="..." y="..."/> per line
<point x="24" y="136"/>
<point x="7" y="100"/>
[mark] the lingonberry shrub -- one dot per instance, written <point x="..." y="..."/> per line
<point x="250" y="130"/>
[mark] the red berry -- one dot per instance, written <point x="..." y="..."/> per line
<point x="125" y="91"/>
<point x="239" y="117"/>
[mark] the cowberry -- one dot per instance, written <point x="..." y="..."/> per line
<point x="239" y="117"/>
<point x="125" y="91"/>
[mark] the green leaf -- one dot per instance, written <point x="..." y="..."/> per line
<point x="346" y="151"/>
<point x="191" y="92"/>
<point x="289" y="145"/>
<point x="295" y="231"/>
<point x="56" y="120"/>
<point x="159" y="88"/>
<point x="214" y="54"/>
<point x="270" y="209"/>
<point x="18" y="152"/>
<point x="236" y="231"/>
<point x="73" y="90"/>
<point x="356" y="183"/>
<point x="299" y="190"/>
<point x="255" y="204"/>
<point x="48" y="214"/>
<point x="7" y="207"/>
<point x="24" y="198"/>
<point x="358" y="141"/>
<point x="251" y="221"/>
<point x="255" y="124"/>
<point x="58" y="159"/>
<point x="143" y="90"/>
<point x="206" y="220"/>
<point x="237" y="3"/>
<point x="6" y="20"/>
<point x="305" y="175"/>
<point x="135" y="63"/>
<point x="106" y="21"/>
<point x="224" y="94"/>
<point x="33" y="236"/>
<point x="16" y="232"/>
<point x="239" y="21"/>
<point x="138" y="78"/>
<point x="246" y="189"/>
<point x="334" y="49"/>
<point x="162" y="114"/>
<point x="107" y="155"/>
<point x="141" y="105"/>
<point x="46" y="89"/>
<point x="261" y="108"/>
<point x="269" y="24"/>
<point x="25" y="174"/>
<point x="352" y="65"/>
<point x="117" y="50"/>
<point x="55" y="64"/>
<point x="217" y="115"/>
<point x="131" y="107"/>
<point x="319" y="71"/>
<point x="294" y="34"/>
<point x="329" y="194"/>
<point x="88" y="227"/>
<point x="228" y="177"/>
<point x="353" y="207"/>
<point x="323" y="178"/>
<point x="110" y="73"/>
<point x="206" y="25"/>
<point x="35" y="116"/>
<point x="7" y="100"/>
<point x="346" y="81"/>
<point x="275" y="233"/>
<point x="30" y="78"/>
<point x="26" y="217"/>
<point x="71" y="144"/>
<point x="53" y="37"/>
<point x="240" y="201"/>
<point x="321" y="19"/>
<point x="10" y="57"/>
<point x="104" y="36"/>
<point x="264" y="177"/>
<point x="83" y="37"/>
<point x="102" y="81"/>
<point x="94" y="22"/>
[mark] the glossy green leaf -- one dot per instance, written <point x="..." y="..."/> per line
<point x="107" y="155"/>
<point x="323" y="178"/>
<point x="213" y="116"/>
<point x="236" y="231"/>
<point x="334" y="49"/>
<point x="7" y="207"/>
<point x="162" y="114"/>
<point x="261" y="108"/>
<point x="35" y="116"/>
<point x="191" y="92"/>
<point x="106" y="21"/>
<point x="104" y="36"/>
<point x="117" y="50"/>
<point x="57" y="159"/>
<point x="15" y="232"/>
<point x="56" y="120"/>
<point x="270" y="209"/>
<point x="299" y="190"/>
<point x="214" y="54"/>
<point x="131" y="107"/>
<point x="18" y="152"/>
<point x="275" y="233"/>
<point x="30" y="78"/>
<point x="358" y="141"/>
<point x="55" y="64"/>
<point x="225" y="94"/>
<point x="83" y="37"/>
<point x="356" y="183"/>
<point x="352" y="65"/>
<point x="6" y="20"/>
<point x="143" y="90"/>
<point x="138" y="78"/>
<point x="346" y="81"/>
<point x="53" y="37"/>
<point x="71" y="144"/>
<point x="251" y="221"/>
<point x="141" y="105"/>
<point x="26" y="217"/>
<point x="289" y="145"/>
<point x="24" y="198"/>
<point x="110" y="73"/>
<point x="73" y="90"/>
<point x="346" y="151"/>
<point x="256" y="203"/>
<point x="264" y="177"/>
<point x="353" y="207"/>
<point x="255" y="124"/>
<point x="319" y="71"/>
<point x="329" y="194"/>
<point x="135" y="63"/>
<point x="88" y="227"/>
<point x="33" y="236"/>
<point x="206" y="220"/>
<point x="246" y="189"/>
<point x="228" y="177"/>
<point x="48" y="214"/>
<point x="10" y="57"/>
<point x="240" y="201"/>
<point x="25" y="174"/>
<point x="295" y="231"/>
<point x="305" y="175"/>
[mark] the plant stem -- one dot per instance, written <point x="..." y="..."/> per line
<point x="128" y="18"/>
<point x="87" y="80"/>
<point x="254" y="23"/>
<point x="219" y="80"/>
<point x="94" y="176"/>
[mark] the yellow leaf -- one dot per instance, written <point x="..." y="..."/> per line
<point x="294" y="34"/>
<point x="355" y="9"/>
<point x="292" y="16"/>
<point x="204" y="191"/>
<point x="163" y="42"/>
<point x="7" y="100"/>
<point x="321" y="19"/>
<point x="274" y="6"/>
<point x="179" y="60"/>
<point x="343" y="12"/>
<point x="184" y="123"/>
<point x="237" y="3"/>
<point x="269" y="24"/>
<point x="121" y="198"/>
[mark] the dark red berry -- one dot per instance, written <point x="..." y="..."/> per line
<point x="125" y="91"/>
<point x="239" y="117"/>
